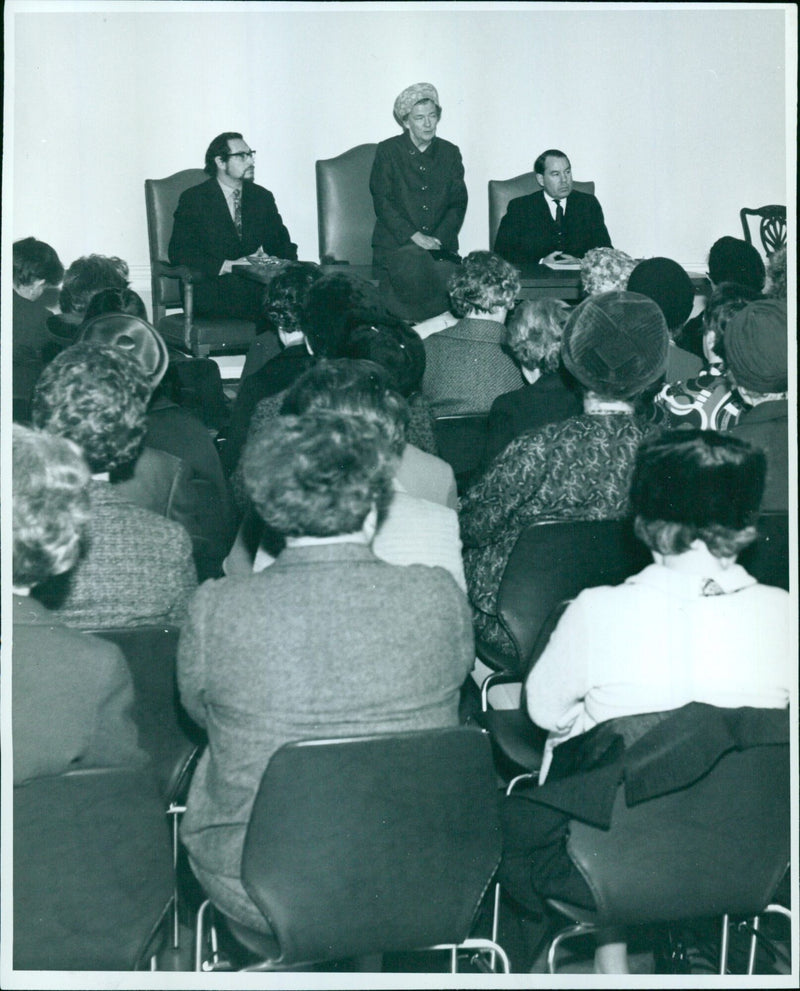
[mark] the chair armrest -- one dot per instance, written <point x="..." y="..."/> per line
<point x="183" y="272"/>
<point x="496" y="678"/>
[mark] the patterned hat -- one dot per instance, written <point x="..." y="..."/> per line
<point x="411" y="96"/>
<point x="756" y="346"/>
<point x="616" y="344"/>
<point x="131" y="334"/>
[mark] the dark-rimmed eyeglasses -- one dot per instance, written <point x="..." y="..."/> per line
<point x="242" y="154"/>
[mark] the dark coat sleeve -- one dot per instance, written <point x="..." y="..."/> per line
<point x="385" y="196"/>
<point x="596" y="234"/>
<point x="204" y="236"/>
<point x="523" y="238"/>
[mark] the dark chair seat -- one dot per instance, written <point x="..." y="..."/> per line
<point x="361" y="846"/>
<point x="92" y="870"/>
<point x="218" y="334"/>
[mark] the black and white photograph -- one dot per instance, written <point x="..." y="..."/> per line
<point x="398" y="432"/>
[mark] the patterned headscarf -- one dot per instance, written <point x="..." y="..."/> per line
<point x="411" y="96"/>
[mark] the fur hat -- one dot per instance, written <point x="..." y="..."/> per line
<point x="412" y="95"/>
<point x="131" y="334"/>
<point x="616" y="344"/>
<point x="667" y="283"/>
<point x="698" y="478"/>
<point x="756" y="346"/>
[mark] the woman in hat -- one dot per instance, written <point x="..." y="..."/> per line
<point x="615" y="345"/>
<point x="420" y="199"/>
<point x="693" y="626"/>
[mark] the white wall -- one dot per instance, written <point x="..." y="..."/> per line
<point x="677" y="114"/>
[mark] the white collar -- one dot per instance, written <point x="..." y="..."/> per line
<point x="552" y="203"/>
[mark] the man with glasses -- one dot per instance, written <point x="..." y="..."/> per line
<point x="221" y="222"/>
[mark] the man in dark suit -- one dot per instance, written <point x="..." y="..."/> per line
<point x="221" y="222"/>
<point x="553" y="224"/>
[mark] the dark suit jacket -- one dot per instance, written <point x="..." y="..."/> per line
<point x="527" y="233"/>
<point x="204" y="234"/>
<point x="71" y="699"/>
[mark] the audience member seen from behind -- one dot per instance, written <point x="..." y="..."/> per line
<point x="604" y="270"/>
<point x="338" y="384"/>
<point x="138" y="568"/>
<point x="416" y="530"/>
<point x="85" y="277"/>
<point x="707" y="402"/>
<point x="554" y="224"/>
<point x="667" y="283"/>
<point x="72" y="692"/>
<point x="278" y="355"/>
<point x="467" y="367"/>
<point x="534" y="332"/>
<point x="693" y="626"/>
<point x="755" y="347"/>
<point x="730" y="260"/>
<point x="580" y="468"/>
<point x="36" y="267"/>
<point x="398" y="349"/>
<point x="328" y="641"/>
<point x="420" y="199"/>
<point x="177" y="474"/>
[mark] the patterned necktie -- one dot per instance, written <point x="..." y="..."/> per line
<point x="559" y="223"/>
<point x="237" y="210"/>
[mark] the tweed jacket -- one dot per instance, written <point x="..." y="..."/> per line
<point x="579" y="469"/>
<point x="549" y="399"/>
<point x="329" y="641"/>
<point x="415" y="190"/>
<point x="527" y="232"/>
<point x="137" y="569"/>
<point x="767" y="426"/>
<point x="71" y="698"/>
<point x="467" y="367"/>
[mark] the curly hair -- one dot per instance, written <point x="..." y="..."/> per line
<point x="605" y="270"/>
<point x="726" y="299"/>
<point x="88" y="275"/>
<point x="285" y="297"/>
<point x="356" y="388"/>
<point x="95" y="395"/>
<point x="483" y="282"/>
<point x="776" y="275"/>
<point x="50" y="505"/>
<point x="320" y="474"/>
<point x="392" y="344"/>
<point x="697" y="484"/>
<point x="34" y="260"/>
<point x="534" y="331"/>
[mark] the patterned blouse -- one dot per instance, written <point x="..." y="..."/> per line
<point x="706" y="402"/>
<point x="577" y="469"/>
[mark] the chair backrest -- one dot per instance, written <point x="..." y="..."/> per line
<point x="551" y="562"/>
<point x="166" y="733"/>
<point x="772" y="228"/>
<point x="345" y="213"/>
<point x="768" y="558"/>
<point x="502" y="191"/>
<point x="364" y="845"/>
<point x="721" y="845"/>
<point x="161" y="198"/>
<point x="92" y="869"/>
<point x="461" y="440"/>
